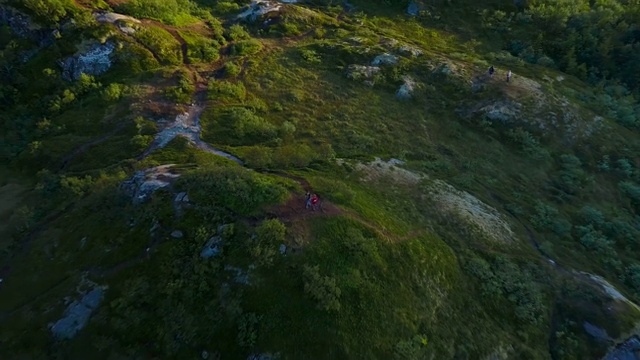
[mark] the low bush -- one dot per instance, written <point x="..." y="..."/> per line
<point x="246" y="47"/>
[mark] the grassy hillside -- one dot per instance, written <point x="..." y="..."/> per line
<point x="461" y="215"/>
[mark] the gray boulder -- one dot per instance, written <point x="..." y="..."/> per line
<point x="384" y="59"/>
<point x="504" y="112"/>
<point x="406" y="90"/>
<point x="625" y="351"/>
<point x="145" y="182"/>
<point x="177" y="234"/>
<point x="77" y="314"/>
<point x="95" y="61"/>
<point x="212" y="248"/>
<point x="413" y="9"/>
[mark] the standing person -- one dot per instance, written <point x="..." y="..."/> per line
<point x="308" y="201"/>
<point x="314" y="201"/>
<point x="509" y="76"/>
<point x="491" y="70"/>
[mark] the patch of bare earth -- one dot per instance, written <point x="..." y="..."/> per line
<point x="469" y="209"/>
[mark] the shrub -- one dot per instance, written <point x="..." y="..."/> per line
<point x="322" y="289"/>
<point x="168" y="11"/>
<point x="258" y="157"/>
<point x="632" y="190"/>
<point x="184" y="91"/>
<point x="293" y="156"/>
<point x="246" y="47"/>
<point x="237" y="32"/>
<point x="225" y="7"/>
<point x="239" y="190"/>
<point x="166" y="48"/>
<point x="633" y="277"/>
<point x="226" y="91"/>
<point x="414" y="348"/>
<point x="625" y="167"/>
<point x="231" y="70"/>
<point x="245" y="124"/>
<point x="544" y="217"/>
<point x="248" y="330"/>
<point x="528" y="144"/>
<point x="114" y="91"/>
<point x="269" y="235"/>
<point x="200" y="48"/>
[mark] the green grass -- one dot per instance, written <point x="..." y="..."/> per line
<point x="408" y="273"/>
<point x="162" y="44"/>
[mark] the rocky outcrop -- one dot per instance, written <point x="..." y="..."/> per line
<point x="361" y="72"/>
<point x="625" y="351"/>
<point x="18" y="23"/>
<point x="77" y="314"/>
<point x="95" y="61"/>
<point x="384" y="59"/>
<point x="145" y="182"/>
<point x="406" y="90"/>
<point x="23" y="27"/>
<point x="258" y="8"/>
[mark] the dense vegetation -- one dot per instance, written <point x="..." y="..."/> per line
<point x="391" y="266"/>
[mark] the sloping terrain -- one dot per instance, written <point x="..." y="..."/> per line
<point x="157" y="157"/>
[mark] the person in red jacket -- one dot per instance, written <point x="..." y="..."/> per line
<point x="314" y="201"/>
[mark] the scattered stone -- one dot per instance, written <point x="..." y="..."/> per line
<point x="154" y="227"/>
<point x="595" y="331"/>
<point x="77" y="314"/>
<point x="212" y="247"/>
<point x="406" y="90"/>
<point x="385" y="59"/>
<point x="204" y="355"/>
<point x="83" y="242"/>
<point x="180" y="197"/>
<point x="283" y="249"/>
<point x="95" y="61"/>
<point x="177" y="234"/>
<point x="409" y="51"/>
<point x="361" y="72"/>
<point x="145" y="182"/>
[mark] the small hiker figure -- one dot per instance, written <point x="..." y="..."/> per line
<point x="314" y="202"/>
<point x="509" y="76"/>
<point x="491" y="70"/>
<point x="308" y="201"/>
